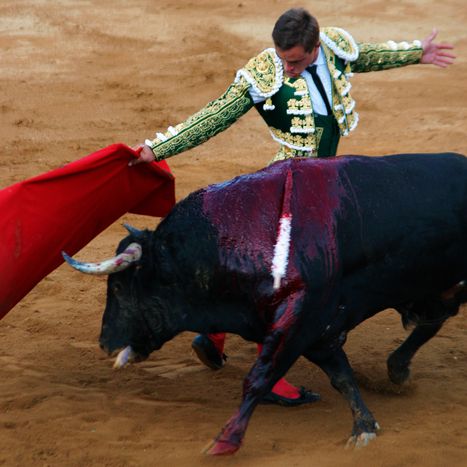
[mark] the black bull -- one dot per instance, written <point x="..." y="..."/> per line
<point x="366" y="234"/>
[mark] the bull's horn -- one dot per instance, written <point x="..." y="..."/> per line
<point x="118" y="263"/>
<point x="133" y="230"/>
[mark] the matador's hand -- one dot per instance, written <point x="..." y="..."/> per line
<point x="145" y="155"/>
<point x="435" y="54"/>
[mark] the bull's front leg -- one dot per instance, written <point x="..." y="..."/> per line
<point x="281" y="348"/>
<point x="399" y="361"/>
<point x="335" y="364"/>
<point x="430" y="316"/>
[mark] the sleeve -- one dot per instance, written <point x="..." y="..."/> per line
<point x="376" y="57"/>
<point x="217" y="116"/>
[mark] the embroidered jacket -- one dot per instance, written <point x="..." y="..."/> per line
<point x="287" y="108"/>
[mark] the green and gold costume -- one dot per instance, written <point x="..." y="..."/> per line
<point x="287" y="108"/>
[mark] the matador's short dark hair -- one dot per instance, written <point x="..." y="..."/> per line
<point x="296" y="27"/>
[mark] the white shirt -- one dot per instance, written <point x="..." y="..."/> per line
<point x="317" y="102"/>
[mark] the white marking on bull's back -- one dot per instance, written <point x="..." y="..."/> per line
<point x="282" y="246"/>
<point x="281" y="250"/>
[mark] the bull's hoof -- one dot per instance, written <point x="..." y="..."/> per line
<point x="360" y="441"/>
<point x="362" y="434"/>
<point x="222" y="448"/>
<point x="398" y="372"/>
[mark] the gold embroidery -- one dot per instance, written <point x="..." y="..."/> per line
<point x="303" y="125"/>
<point x="212" y="119"/>
<point x="289" y="153"/>
<point x="268" y="105"/>
<point x="299" y="106"/>
<point x="262" y="69"/>
<point x="375" y="57"/>
<point x="299" y="84"/>
<point x="342" y="39"/>
<point x="319" y="134"/>
<point x="302" y="122"/>
<point x="342" y="102"/>
<point x="300" y="142"/>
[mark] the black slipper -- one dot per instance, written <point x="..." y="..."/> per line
<point x="306" y="397"/>
<point x="207" y="353"/>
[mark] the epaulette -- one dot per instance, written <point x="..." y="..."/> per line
<point x="263" y="72"/>
<point x="340" y="42"/>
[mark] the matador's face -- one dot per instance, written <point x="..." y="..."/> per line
<point x="296" y="59"/>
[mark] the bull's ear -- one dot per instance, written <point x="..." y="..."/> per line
<point x="134" y="231"/>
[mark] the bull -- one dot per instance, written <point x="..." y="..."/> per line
<point x="294" y="256"/>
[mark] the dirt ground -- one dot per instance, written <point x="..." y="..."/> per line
<point x="76" y="76"/>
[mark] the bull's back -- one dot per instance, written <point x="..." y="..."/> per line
<point x="392" y="198"/>
<point x="345" y="211"/>
<point x="378" y="189"/>
<point x="405" y="183"/>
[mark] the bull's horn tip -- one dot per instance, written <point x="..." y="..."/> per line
<point x="66" y="257"/>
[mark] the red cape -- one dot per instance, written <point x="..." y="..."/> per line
<point x="64" y="209"/>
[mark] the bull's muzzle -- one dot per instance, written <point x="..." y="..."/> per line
<point x="130" y="255"/>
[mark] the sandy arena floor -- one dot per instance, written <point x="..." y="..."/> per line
<point x="76" y="76"/>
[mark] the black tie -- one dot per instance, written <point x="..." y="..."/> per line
<point x="313" y="70"/>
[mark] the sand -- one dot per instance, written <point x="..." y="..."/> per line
<point x="76" y="76"/>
